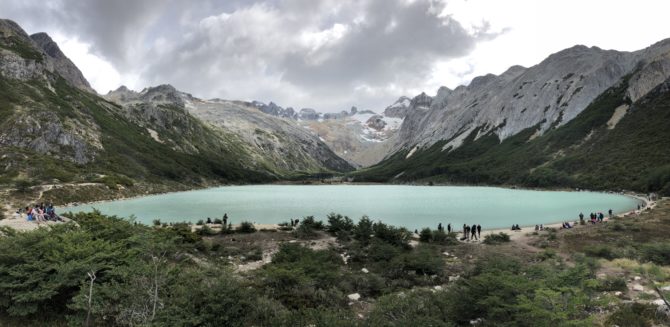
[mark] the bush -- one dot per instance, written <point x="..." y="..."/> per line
<point x="426" y="235"/>
<point x="499" y="238"/>
<point x="112" y="181"/>
<point x="156" y="222"/>
<point x="246" y="227"/>
<point x="305" y="232"/>
<point x="206" y="231"/>
<point x="311" y="222"/>
<point x="302" y="278"/>
<point x="392" y="235"/>
<point x="338" y="224"/>
<point x="633" y="315"/>
<point x="227" y="229"/>
<point x="363" y="230"/>
<point x="200" y="222"/>
<point x="602" y="251"/>
<point x="24" y="185"/>
<point x="218" y="221"/>
<point x="658" y="253"/>
<point x="611" y="284"/>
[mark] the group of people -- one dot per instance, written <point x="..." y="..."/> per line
<point x="595" y="217"/>
<point x="40" y="213"/>
<point x="473" y="232"/>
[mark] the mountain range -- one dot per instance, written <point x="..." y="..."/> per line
<point x="55" y="128"/>
<point x="583" y="117"/>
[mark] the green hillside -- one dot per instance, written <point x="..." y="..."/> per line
<point x="128" y="151"/>
<point x="583" y="153"/>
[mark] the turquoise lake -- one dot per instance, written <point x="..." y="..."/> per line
<point x="400" y="205"/>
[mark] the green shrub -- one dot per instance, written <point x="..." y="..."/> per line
<point x="499" y="238"/>
<point x="156" y="222"/>
<point x="363" y="230"/>
<point x="658" y="253"/>
<point x="206" y="231"/>
<point x="246" y="227"/>
<point x="425" y="235"/>
<point x="312" y="223"/>
<point x="602" y="251"/>
<point x="200" y="222"/>
<point x="218" y="221"/>
<point x="305" y="232"/>
<point x="24" y="185"/>
<point x="338" y="224"/>
<point x="301" y="278"/>
<point x="254" y="255"/>
<point x="633" y="315"/>
<point x="112" y="181"/>
<point x="392" y="235"/>
<point x="611" y="284"/>
<point x="418" y="308"/>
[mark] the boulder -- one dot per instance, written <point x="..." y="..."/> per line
<point x="354" y="296"/>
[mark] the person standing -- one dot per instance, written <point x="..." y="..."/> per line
<point x="610" y="212"/>
<point x="479" y="231"/>
<point x="225" y="219"/>
<point x="473" y="230"/>
<point x="449" y="228"/>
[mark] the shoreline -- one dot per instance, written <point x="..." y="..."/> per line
<point x="636" y="197"/>
<point x="648" y="205"/>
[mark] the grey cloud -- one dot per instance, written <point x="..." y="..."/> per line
<point x="258" y="50"/>
<point x="113" y="28"/>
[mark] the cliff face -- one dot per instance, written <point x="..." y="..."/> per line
<point x="29" y="80"/>
<point x="549" y="94"/>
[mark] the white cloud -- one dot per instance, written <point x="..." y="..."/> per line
<point x="100" y="73"/>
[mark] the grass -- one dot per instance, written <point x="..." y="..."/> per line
<point x="22" y="48"/>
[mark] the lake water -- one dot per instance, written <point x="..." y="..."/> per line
<point x="400" y="205"/>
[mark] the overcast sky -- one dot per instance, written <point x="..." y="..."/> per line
<point x="326" y="54"/>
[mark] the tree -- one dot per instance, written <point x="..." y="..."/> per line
<point x="363" y="230"/>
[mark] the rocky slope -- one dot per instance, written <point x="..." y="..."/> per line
<point x="277" y="144"/>
<point x="549" y="94"/>
<point x="62" y="65"/>
<point x="531" y="125"/>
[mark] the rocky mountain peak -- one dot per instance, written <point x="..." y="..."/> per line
<point x="10" y="28"/>
<point x="399" y="108"/>
<point x="421" y="101"/>
<point x="61" y="63"/>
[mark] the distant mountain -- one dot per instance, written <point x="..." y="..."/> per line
<point x="362" y="137"/>
<point x="524" y="126"/>
<point x="279" y="145"/>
